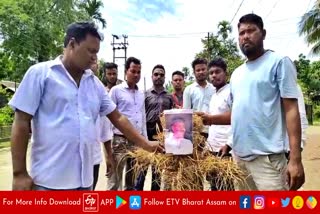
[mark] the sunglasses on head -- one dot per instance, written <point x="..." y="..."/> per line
<point x="157" y="74"/>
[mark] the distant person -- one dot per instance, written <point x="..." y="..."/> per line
<point x="104" y="135"/>
<point x="178" y="87"/>
<point x="110" y="75"/>
<point x="110" y="79"/>
<point x="303" y="120"/>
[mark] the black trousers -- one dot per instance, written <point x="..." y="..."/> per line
<point x="95" y="175"/>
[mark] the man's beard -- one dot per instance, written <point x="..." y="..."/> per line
<point x="251" y="50"/>
<point x="106" y="82"/>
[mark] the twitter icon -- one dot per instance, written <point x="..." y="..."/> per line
<point x="285" y="202"/>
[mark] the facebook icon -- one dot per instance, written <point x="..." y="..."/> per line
<point x="245" y="202"/>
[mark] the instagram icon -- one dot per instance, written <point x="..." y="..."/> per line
<point x="259" y="202"/>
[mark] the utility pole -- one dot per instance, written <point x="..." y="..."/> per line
<point x="208" y="47"/>
<point x="120" y="46"/>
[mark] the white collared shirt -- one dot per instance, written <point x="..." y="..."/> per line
<point x="198" y="98"/>
<point x="219" y="135"/>
<point x="104" y="134"/>
<point x="130" y="102"/>
<point x="303" y="120"/>
<point x="63" y="124"/>
<point x="176" y="146"/>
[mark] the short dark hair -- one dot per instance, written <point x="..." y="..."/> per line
<point x="129" y="60"/>
<point x="253" y="19"/>
<point x="218" y="62"/>
<point x="79" y="31"/>
<point x="159" y="67"/>
<point x="198" y="61"/>
<point x="178" y="73"/>
<point x="110" y="65"/>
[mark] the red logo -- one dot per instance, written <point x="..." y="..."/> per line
<point x="90" y="202"/>
<point x="273" y="202"/>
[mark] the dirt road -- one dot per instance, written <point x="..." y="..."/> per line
<point x="311" y="161"/>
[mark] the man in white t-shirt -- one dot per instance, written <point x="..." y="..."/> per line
<point x="104" y="135"/>
<point x="219" y="135"/>
<point x="303" y="120"/>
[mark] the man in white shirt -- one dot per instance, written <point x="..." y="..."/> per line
<point x="219" y="135"/>
<point x="197" y="95"/>
<point x="63" y="99"/>
<point x="130" y="102"/>
<point x="110" y="75"/>
<point x="303" y="120"/>
<point x="104" y="135"/>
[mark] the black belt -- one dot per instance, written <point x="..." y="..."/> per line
<point x="216" y="154"/>
<point x="119" y="135"/>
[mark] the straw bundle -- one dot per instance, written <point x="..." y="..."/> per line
<point x="187" y="172"/>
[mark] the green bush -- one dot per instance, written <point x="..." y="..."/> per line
<point x="316" y="112"/>
<point x="6" y="116"/>
<point x="6" y="113"/>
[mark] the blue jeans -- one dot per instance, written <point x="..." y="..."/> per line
<point x="42" y="188"/>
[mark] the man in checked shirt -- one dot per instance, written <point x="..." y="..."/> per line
<point x="157" y="99"/>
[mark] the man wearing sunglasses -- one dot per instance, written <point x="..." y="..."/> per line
<point x="157" y="99"/>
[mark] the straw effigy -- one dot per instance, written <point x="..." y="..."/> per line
<point x="187" y="172"/>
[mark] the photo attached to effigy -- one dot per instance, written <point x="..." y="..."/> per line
<point x="178" y="131"/>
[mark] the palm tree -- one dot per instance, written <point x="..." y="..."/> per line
<point x="309" y="26"/>
<point x="224" y="29"/>
<point x="92" y="7"/>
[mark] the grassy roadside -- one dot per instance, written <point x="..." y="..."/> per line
<point x="4" y="144"/>
<point x="316" y="122"/>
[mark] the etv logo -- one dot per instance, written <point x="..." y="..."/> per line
<point x="245" y="202"/>
<point x="90" y="202"/>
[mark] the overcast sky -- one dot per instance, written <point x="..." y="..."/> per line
<point x="169" y="32"/>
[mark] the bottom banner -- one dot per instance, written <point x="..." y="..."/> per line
<point x="144" y="202"/>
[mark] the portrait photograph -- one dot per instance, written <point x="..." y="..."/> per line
<point x="178" y="132"/>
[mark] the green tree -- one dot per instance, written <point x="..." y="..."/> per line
<point x="309" y="26"/>
<point x="6" y="113"/>
<point x="92" y="7"/>
<point x="221" y="45"/>
<point x="188" y="75"/>
<point x="101" y="64"/>
<point x="314" y="85"/>
<point x="33" y="30"/>
<point x="5" y="66"/>
<point x="168" y="86"/>
<point x="309" y="77"/>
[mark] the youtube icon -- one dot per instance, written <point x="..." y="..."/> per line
<point x="273" y="202"/>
